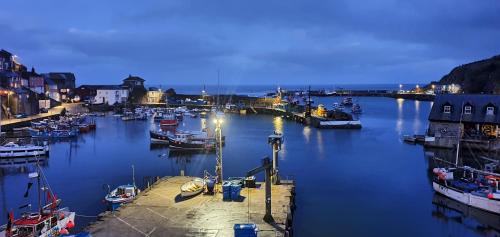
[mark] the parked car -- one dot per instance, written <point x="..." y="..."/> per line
<point x="19" y="116"/>
<point x="44" y="110"/>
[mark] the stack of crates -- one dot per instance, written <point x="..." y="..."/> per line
<point x="226" y="191"/>
<point x="235" y="191"/>
<point x="245" y="230"/>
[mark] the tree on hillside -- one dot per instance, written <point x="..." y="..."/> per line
<point x="137" y="95"/>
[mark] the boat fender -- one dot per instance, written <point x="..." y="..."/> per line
<point x="63" y="231"/>
<point x="490" y="195"/>
<point x="70" y="225"/>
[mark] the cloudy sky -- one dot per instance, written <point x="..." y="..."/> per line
<point x="251" y="42"/>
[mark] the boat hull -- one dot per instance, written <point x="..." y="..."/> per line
<point x="192" y="188"/>
<point x="476" y="201"/>
<point x="158" y="138"/>
<point x="356" y="124"/>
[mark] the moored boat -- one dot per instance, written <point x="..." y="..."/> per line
<point x="13" y="150"/>
<point x="471" y="191"/>
<point x="192" y="187"/>
<point x="356" y="109"/>
<point x="347" y="101"/>
<point x="159" y="136"/>
<point x="122" y="194"/>
<point x="190" y="142"/>
<point x="340" y="124"/>
<point x="48" y="221"/>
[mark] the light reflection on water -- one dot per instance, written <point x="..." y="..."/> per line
<point x="319" y="139"/>
<point x="399" y="120"/>
<point x="306" y="132"/>
<point x="278" y="124"/>
<point x="416" y="120"/>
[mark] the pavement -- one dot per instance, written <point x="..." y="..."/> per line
<point x="161" y="211"/>
<point x="71" y="107"/>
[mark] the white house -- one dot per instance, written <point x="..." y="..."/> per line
<point x="110" y="94"/>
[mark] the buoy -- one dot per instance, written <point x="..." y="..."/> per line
<point x="61" y="215"/>
<point x="63" y="231"/>
<point x="490" y="195"/>
<point x="70" y="225"/>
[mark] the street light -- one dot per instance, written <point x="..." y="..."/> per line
<point x="218" y="166"/>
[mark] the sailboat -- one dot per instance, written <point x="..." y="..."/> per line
<point x="49" y="220"/>
<point x="122" y="194"/>
<point x="476" y="188"/>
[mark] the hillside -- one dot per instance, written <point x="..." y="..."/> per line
<point x="477" y="77"/>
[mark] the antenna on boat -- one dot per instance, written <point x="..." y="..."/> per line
<point x="459" y="134"/>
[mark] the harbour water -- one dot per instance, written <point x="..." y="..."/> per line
<point x="349" y="182"/>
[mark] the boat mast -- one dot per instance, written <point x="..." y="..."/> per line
<point x="39" y="189"/>
<point x="133" y="175"/>
<point x="459" y="134"/>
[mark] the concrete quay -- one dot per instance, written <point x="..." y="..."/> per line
<point x="160" y="211"/>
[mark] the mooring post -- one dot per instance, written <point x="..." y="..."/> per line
<point x="268" y="216"/>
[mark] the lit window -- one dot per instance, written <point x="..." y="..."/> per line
<point x="490" y="110"/>
<point x="447" y="109"/>
<point x="468" y="109"/>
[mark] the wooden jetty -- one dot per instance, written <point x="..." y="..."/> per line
<point x="160" y="211"/>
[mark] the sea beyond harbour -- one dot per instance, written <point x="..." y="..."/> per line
<point x="262" y="90"/>
<point x="364" y="182"/>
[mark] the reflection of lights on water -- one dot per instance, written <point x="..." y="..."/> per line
<point x="319" y="137"/>
<point x="307" y="133"/>
<point x="416" y="121"/>
<point x="203" y="123"/>
<point x="399" y="121"/>
<point x="278" y="124"/>
<point x="400" y="102"/>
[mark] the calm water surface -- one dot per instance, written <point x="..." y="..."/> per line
<point x="349" y="183"/>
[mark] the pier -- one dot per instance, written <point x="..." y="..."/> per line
<point x="160" y="211"/>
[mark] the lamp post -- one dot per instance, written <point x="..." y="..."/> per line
<point x="218" y="143"/>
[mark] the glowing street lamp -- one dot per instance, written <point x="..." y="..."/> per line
<point x="218" y="166"/>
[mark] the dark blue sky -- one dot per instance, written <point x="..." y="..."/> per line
<point x="251" y="42"/>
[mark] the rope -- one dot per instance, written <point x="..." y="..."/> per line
<point x="86" y="216"/>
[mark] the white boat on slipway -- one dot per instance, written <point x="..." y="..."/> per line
<point x="13" y="150"/>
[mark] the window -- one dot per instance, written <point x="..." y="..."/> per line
<point x="468" y="109"/>
<point x="447" y="109"/>
<point x="490" y="110"/>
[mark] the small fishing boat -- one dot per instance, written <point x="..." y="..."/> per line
<point x="480" y="192"/>
<point x="191" y="142"/>
<point x="347" y="101"/>
<point x="49" y="220"/>
<point x="356" y="109"/>
<point x="409" y="139"/>
<point x="53" y="134"/>
<point x="128" y="117"/>
<point x="168" y="120"/>
<point x="159" y="136"/>
<point x="192" y="187"/>
<point x="190" y="114"/>
<point x="122" y="194"/>
<point x="13" y="150"/>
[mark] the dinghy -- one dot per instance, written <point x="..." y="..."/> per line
<point x="192" y="187"/>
